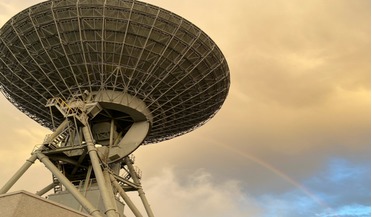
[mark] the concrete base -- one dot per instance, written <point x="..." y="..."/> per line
<point x="25" y="204"/>
<point x="92" y="194"/>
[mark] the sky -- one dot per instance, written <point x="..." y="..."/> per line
<point x="293" y="137"/>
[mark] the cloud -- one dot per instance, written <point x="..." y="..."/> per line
<point x="293" y="204"/>
<point x="343" y="183"/>
<point x="299" y="103"/>
<point x="18" y="132"/>
<point x="349" y="211"/>
<point x="339" y="190"/>
<point x="197" y="195"/>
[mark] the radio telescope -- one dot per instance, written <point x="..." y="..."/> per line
<point x="106" y="76"/>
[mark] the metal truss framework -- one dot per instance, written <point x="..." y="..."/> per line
<point x="90" y="159"/>
<point x="62" y="47"/>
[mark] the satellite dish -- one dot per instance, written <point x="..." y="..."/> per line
<point x="107" y="76"/>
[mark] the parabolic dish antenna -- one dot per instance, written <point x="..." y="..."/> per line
<point x="106" y="76"/>
<point x="67" y="47"/>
